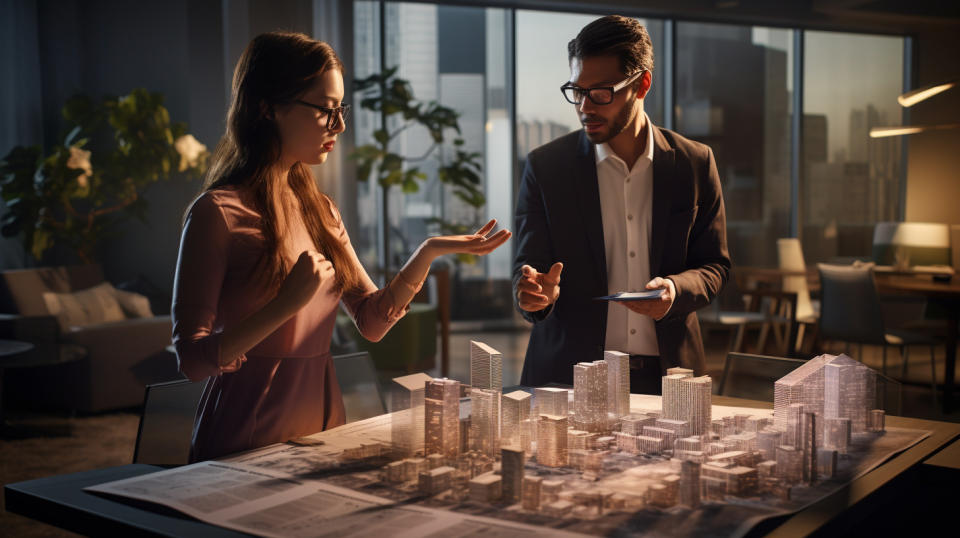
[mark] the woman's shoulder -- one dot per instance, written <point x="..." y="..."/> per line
<point x="228" y="200"/>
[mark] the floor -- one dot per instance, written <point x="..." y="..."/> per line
<point x="72" y="444"/>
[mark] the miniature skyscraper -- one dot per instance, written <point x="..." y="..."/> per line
<point x="550" y="401"/>
<point x="485" y="421"/>
<point x="847" y="389"/>
<point x="515" y="427"/>
<point x="511" y="471"/>
<point x="552" y="441"/>
<point x="618" y="383"/>
<point x="486" y="367"/>
<point x="406" y="429"/>
<point x="688" y="399"/>
<point x="590" y="396"/>
<point x="442" y="418"/>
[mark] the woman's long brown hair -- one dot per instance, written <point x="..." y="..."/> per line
<point x="276" y="68"/>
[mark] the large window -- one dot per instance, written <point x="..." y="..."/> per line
<point x="794" y="156"/>
<point x="733" y="89"/>
<point x="850" y="181"/>
<point x="458" y="57"/>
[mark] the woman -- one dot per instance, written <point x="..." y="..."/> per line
<point x="265" y="260"/>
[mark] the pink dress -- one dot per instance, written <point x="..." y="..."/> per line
<point x="287" y="388"/>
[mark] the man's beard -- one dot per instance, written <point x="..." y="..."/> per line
<point x="618" y="124"/>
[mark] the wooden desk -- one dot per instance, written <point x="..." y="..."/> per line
<point x="944" y="293"/>
<point x="61" y="501"/>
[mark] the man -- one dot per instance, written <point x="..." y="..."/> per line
<point x="622" y="205"/>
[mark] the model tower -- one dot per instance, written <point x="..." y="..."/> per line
<point x="687" y="398"/>
<point x="590" y="396"/>
<point x="515" y="427"/>
<point x="485" y="421"/>
<point x="618" y="383"/>
<point x="406" y="426"/>
<point x="442" y="418"/>
<point x="486" y="367"/>
<point x="552" y="441"/>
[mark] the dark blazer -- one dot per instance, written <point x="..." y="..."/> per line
<point x="558" y="219"/>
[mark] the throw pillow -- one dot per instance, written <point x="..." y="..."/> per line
<point x="84" y="307"/>
<point x="133" y="304"/>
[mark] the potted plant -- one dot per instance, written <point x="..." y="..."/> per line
<point x="75" y="197"/>
<point x="392" y="98"/>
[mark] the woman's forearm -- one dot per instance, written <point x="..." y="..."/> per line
<point x="408" y="280"/>
<point x="241" y="337"/>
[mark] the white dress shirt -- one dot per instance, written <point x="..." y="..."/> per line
<point x="626" y="206"/>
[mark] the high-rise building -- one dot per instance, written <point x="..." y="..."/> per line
<point x="590" y="396"/>
<point x="511" y="472"/>
<point x="406" y="426"/>
<point x="792" y="435"/>
<point x="552" y="440"/>
<point x="442" y="418"/>
<point x="516" y="428"/>
<point x="688" y="398"/>
<point x="618" y="383"/>
<point x="486" y="367"/>
<point x="485" y="421"/>
<point x="531" y="492"/>
<point x="690" y="483"/>
<point x="848" y="388"/>
<point x="550" y="401"/>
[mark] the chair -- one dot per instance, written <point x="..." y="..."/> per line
<point x="790" y="259"/>
<point x="851" y="313"/>
<point x="166" y="425"/>
<point x="739" y="310"/>
<point x="752" y="376"/>
<point x="359" y="385"/>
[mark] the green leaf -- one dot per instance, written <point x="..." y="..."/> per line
<point x="391" y="162"/>
<point x="381" y="136"/>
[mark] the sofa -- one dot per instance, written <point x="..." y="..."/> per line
<point x="109" y="344"/>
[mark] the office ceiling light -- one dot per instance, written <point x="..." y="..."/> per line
<point x="915" y="96"/>
<point x="880" y="132"/>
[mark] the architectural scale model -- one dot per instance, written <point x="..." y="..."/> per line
<point x="486" y="367"/>
<point x="584" y="454"/>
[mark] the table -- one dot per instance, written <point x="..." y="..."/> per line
<point x="59" y="500"/>
<point x="946" y="293"/>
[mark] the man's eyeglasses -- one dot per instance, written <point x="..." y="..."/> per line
<point x="335" y="116"/>
<point x="599" y="95"/>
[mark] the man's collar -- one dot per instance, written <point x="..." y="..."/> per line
<point x="604" y="150"/>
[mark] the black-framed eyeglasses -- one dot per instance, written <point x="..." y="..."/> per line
<point x="335" y="116"/>
<point x="598" y="95"/>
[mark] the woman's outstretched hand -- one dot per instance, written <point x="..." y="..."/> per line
<point x="478" y="243"/>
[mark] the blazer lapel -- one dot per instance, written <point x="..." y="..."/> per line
<point x="588" y="201"/>
<point x="664" y="170"/>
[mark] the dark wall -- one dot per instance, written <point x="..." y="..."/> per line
<point x="182" y="49"/>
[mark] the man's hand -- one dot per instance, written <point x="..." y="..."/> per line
<point x="655" y="309"/>
<point x="535" y="290"/>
